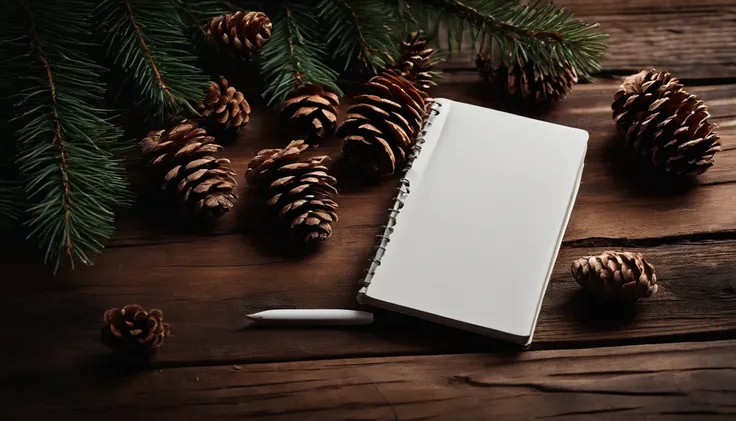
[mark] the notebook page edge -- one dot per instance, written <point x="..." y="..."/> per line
<point x="563" y="229"/>
<point x="518" y="336"/>
<point x="432" y="136"/>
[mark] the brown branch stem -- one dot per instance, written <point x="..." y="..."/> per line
<point x="367" y="50"/>
<point x="58" y="140"/>
<point x="147" y="51"/>
<point x="481" y="19"/>
<point x="294" y="61"/>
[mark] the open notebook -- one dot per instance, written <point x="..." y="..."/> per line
<point x="474" y="231"/>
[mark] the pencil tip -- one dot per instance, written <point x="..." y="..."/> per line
<point x="251" y="316"/>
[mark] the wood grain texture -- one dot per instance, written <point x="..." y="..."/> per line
<point x="207" y="279"/>
<point x="653" y="382"/>
<point x="206" y="291"/>
<point x="613" y="186"/>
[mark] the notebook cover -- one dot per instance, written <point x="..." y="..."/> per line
<point x="473" y="246"/>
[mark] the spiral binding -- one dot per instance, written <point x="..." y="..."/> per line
<point x="403" y="190"/>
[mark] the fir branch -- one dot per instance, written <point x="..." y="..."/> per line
<point x="66" y="144"/>
<point x="539" y="33"/>
<point x="146" y="39"/>
<point x="294" y="57"/>
<point x="362" y="30"/>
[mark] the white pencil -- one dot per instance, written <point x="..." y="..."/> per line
<point x="316" y="317"/>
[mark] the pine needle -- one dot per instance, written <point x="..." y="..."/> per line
<point x="294" y="57"/>
<point x="538" y="32"/>
<point x="65" y="151"/>
<point x="362" y="31"/>
<point x="148" y="41"/>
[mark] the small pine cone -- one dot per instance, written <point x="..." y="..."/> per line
<point x="226" y="106"/>
<point x="616" y="276"/>
<point x="528" y="81"/>
<point x="300" y="190"/>
<point x="665" y="124"/>
<point x="184" y="158"/>
<point x="311" y="114"/>
<point x="381" y="129"/>
<point x="133" y="332"/>
<point x="416" y="60"/>
<point x="241" y="33"/>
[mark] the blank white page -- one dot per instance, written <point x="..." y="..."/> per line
<point x="481" y="227"/>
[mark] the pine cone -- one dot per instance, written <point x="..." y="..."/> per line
<point x="416" y="60"/>
<point x="616" y="276"/>
<point x="311" y="114"/>
<point x="300" y="191"/>
<point x="665" y="124"/>
<point x="133" y="332"/>
<point x="226" y="106"/>
<point x="241" y="33"/>
<point x="381" y="129"/>
<point x="527" y="81"/>
<point x="184" y="156"/>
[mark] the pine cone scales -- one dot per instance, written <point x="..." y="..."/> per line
<point x="665" y="124"/>
<point x="184" y="154"/>
<point x="299" y="190"/>
<point x="311" y="113"/>
<point x="225" y="105"/>
<point x="133" y="331"/>
<point x="241" y="33"/>
<point x="527" y="81"/>
<point x="616" y="276"/>
<point x="416" y="60"/>
<point x="382" y="127"/>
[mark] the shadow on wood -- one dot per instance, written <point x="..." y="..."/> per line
<point x="631" y="172"/>
<point x="598" y="315"/>
<point x="263" y="228"/>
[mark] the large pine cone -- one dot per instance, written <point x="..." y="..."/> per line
<point x="134" y="332"/>
<point x="416" y="61"/>
<point x="616" y="276"/>
<point x="240" y="34"/>
<point x="381" y="129"/>
<point x="299" y="190"/>
<point x="311" y="114"/>
<point x="665" y="124"/>
<point x="184" y="156"/>
<point x="226" y="106"/>
<point x="527" y="81"/>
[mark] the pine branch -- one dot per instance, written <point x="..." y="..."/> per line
<point x="362" y="30"/>
<point x="294" y="57"/>
<point x="146" y="39"/>
<point x="539" y="33"/>
<point x="65" y="146"/>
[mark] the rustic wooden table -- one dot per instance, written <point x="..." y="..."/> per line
<point x="673" y="356"/>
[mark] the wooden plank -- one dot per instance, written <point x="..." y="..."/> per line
<point x="652" y="382"/>
<point x="690" y="39"/>
<point x="206" y="288"/>
<point x="207" y="280"/>
<point x="613" y="187"/>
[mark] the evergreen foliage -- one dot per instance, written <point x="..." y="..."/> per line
<point x="65" y="147"/>
<point x="60" y="171"/>
<point x="146" y="39"/>
<point x="538" y="32"/>
<point x="362" y="31"/>
<point x="294" y="56"/>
